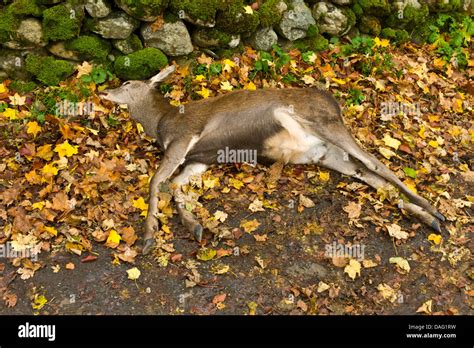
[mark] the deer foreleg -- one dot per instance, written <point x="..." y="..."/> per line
<point x="187" y="218"/>
<point x="174" y="156"/>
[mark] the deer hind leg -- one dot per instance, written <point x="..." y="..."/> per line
<point x="340" y="161"/>
<point x="187" y="218"/>
<point x="346" y="142"/>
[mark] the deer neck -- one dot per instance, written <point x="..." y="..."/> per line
<point x="148" y="110"/>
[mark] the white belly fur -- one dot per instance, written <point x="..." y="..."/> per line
<point x="293" y="144"/>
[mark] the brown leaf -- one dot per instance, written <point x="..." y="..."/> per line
<point x="128" y="235"/>
<point x="89" y="258"/>
<point x="219" y="298"/>
<point x="157" y="24"/>
<point x="10" y="299"/>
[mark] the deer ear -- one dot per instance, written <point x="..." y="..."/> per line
<point x="161" y="76"/>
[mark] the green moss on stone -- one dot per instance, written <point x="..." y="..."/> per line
<point x="315" y="43"/>
<point x="144" y="8"/>
<point x="233" y="19"/>
<point x="48" y="70"/>
<point x="269" y="13"/>
<point x="204" y="10"/>
<point x="140" y="65"/>
<point x="447" y="6"/>
<point x="410" y="18"/>
<point x="370" y="25"/>
<point x="61" y="22"/>
<point x="129" y="45"/>
<point x="8" y="24"/>
<point x="371" y="7"/>
<point x="214" y="35"/>
<point x="351" y="17"/>
<point x="312" y="31"/>
<point x="90" y="47"/>
<point x="22" y="86"/>
<point x="25" y="8"/>
<point x="396" y="35"/>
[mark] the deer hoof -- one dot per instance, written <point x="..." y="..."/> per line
<point x="198" y="232"/>
<point x="435" y="226"/>
<point x="148" y="245"/>
<point x="440" y="216"/>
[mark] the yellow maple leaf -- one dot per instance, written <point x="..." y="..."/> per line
<point x="435" y="238"/>
<point x="50" y="169"/>
<point x="113" y="239"/>
<point x="11" y="114"/>
<point x="33" y="128"/>
<point x="38" y="205"/>
<point x="250" y="86"/>
<point x="250" y="226"/>
<point x="140" y="203"/>
<point x="204" y="92"/>
<point x="421" y="133"/>
<point x="248" y="10"/>
<point x="381" y="43"/>
<point x="44" y="152"/>
<point x="236" y="183"/>
<point x="226" y="86"/>
<point x="66" y="149"/>
<point x="433" y="143"/>
<point x="3" y="89"/>
<point x="324" y="176"/>
<point x="228" y="65"/>
<point x="199" y="78"/>
<point x="51" y="230"/>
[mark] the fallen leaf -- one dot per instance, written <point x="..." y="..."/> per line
<point x="401" y="262"/>
<point x="133" y="273"/>
<point x="353" y="269"/>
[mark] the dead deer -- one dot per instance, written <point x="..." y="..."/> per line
<point x="295" y="125"/>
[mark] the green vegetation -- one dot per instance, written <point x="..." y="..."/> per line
<point x="140" y="65"/>
<point x="22" y="86"/>
<point x="396" y="35"/>
<point x="90" y="47"/>
<point x="25" y="8"/>
<point x="143" y="8"/>
<point x="370" y="25"/>
<point x="8" y="24"/>
<point x="269" y="13"/>
<point x="234" y="19"/>
<point x="48" y="70"/>
<point x="61" y="22"/>
<point x="204" y="10"/>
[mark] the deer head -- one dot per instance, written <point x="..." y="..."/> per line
<point x="145" y="103"/>
<point x="133" y="91"/>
